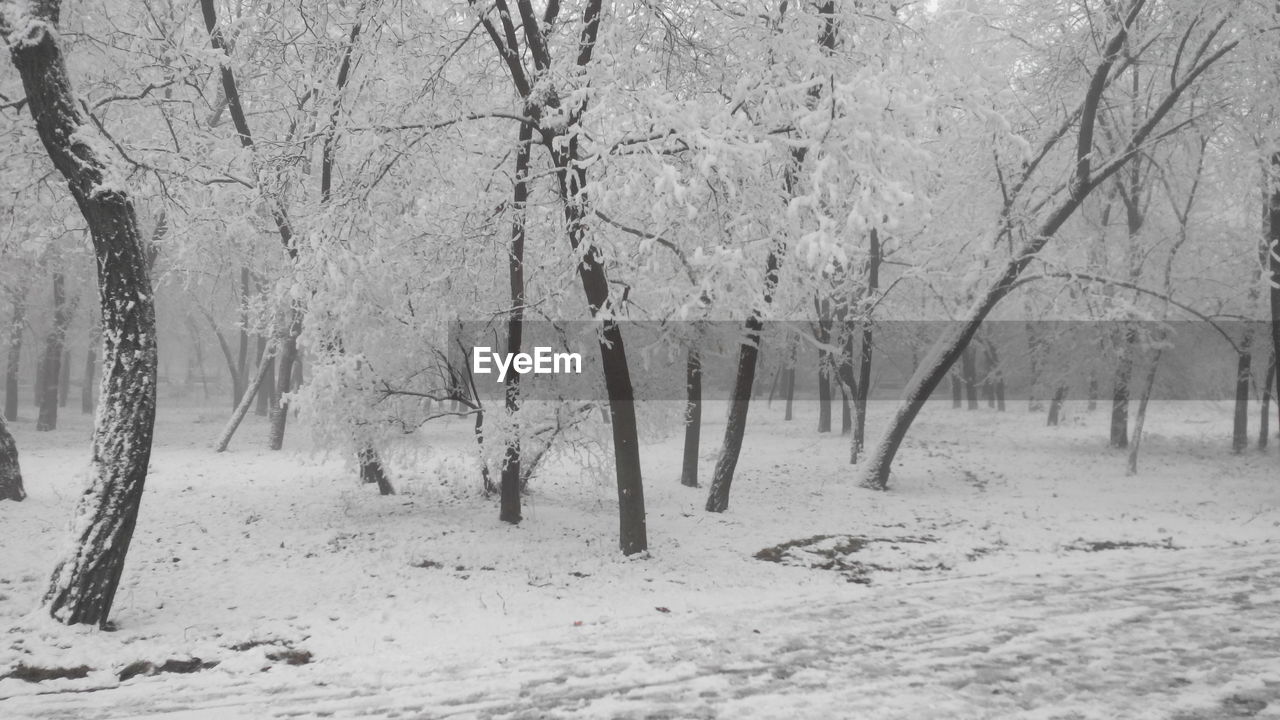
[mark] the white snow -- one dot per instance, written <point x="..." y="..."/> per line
<point x="423" y="605"/>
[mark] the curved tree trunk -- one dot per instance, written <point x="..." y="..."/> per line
<point x="948" y="348"/>
<point x="84" y="584"/>
<point x="10" y="473"/>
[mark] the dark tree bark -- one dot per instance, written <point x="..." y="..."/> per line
<point x="824" y="392"/>
<point x="1264" y="418"/>
<point x="1273" y="266"/>
<point x="947" y="349"/>
<point x="692" y="418"/>
<point x="279" y="411"/>
<point x="1140" y="419"/>
<point x="64" y="379"/>
<point x="727" y="462"/>
<point x="863" y="386"/>
<point x="53" y="369"/>
<point x="84" y="584"/>
<point x="823" y="336"/>
<point x="510" y="486"/>
<point x="1244" y="374"/>
<point x="748" y="352"/>
<point x="1055" y="405"/>
<point x="14" y="346"/>
<point x="1120" y="392"/>
<point x="572" y="183"/>
<point x="846" y="411"/>
<point x="10" y="473"/>
<point x="86" y="389"/>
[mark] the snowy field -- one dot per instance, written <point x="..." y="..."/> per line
<point x="1012" y="570"/>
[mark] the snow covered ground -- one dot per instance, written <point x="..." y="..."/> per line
<point x="1011" y="571"/>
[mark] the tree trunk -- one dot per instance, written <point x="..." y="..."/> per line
<point x="14" y="345"/>
<point x="1120" y="392"/>
<point x="239" y="371"/>
<point x="692" y="418"/>
<point x="823" y="336"/>
<point x="748" y="351"/>
<point x="268" y="389"/>
<point x="1244" y="373"/>
<point x="957" y="391"/>
<point x="846" y="411"/>
<point x="10" y="473"/>
<point x="824" y="392"/>
<point x="1141" y="417"/>
<point x="64" y="380"/>
<point x="84" y="584"/>
<point x="1055" y="406"/>
<point x="53" y="370"/>
<point x="509" y="503"/>
<point x="727" y="462"/>
<point x="1264" y="418"/>
<point x="279" y="404"/>
<point x="1273" y="265"/>
<point x="86" y="389"/>
<point x="242" y="409"/>
<point x="572" y="176"/>
<point x="947" y="349"/>
<point x="863" y="391"/>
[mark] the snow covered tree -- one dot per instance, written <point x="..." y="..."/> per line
<point x="10" y="472"/>
<point x="1088" y="171"/>
<point x="84" y="584"/>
